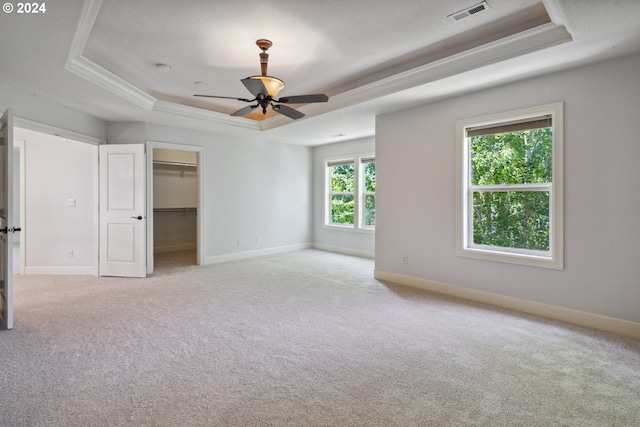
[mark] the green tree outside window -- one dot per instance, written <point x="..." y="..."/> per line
<point x="369" y="212"/>
<point x="508" y="217"/>
<point x="342" y="194"/>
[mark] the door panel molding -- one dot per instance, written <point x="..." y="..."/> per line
<point x="122" y="209"/>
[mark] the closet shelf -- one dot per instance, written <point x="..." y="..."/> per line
<point x="175" y="209"/>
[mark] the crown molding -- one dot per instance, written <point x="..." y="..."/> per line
<point x="89" y="70"/>
<point x="85" y="24"/>
<point x="94" y="73"/>
<point x="204" y="115"/>
<point x="532" y="40"/>
<point x="528" y="41"/>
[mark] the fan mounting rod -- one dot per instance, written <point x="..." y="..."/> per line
<point x="264" y="44"/>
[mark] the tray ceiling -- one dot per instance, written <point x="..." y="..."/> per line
<point x="369" y="56"/>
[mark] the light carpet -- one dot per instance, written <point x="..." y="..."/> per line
<point x="306" y="338"/>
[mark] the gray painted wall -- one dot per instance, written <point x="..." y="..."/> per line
<point x="346" y="241"/>
<point x="252" y="190"/>
<point x="415" y="152"/>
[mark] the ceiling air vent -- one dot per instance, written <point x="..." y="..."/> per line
<point x="481" y="7"/>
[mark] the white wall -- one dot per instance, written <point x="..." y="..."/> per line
<point x="345" y="241"/>
<point x="415" y="193"/>
<point x="56" y="170"/>
<point x="255" y="193"/>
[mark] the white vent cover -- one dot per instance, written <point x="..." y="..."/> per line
<point x="480" y="7"/>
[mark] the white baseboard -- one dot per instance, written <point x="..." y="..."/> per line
<point x="72" y="271"/>
<point x="252" y="254"/>
<point x="597" y="321"/>
<point x="174" y="248"/>
<point x="345" y="251"/>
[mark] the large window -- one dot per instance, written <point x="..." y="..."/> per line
<point x="351" y="197"/>
<point x="510" y="187"/>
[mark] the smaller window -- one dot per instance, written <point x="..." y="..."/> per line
<point x="341" y="192"/>
<point x="351" y="193"/>
<point x="368" y="198"/>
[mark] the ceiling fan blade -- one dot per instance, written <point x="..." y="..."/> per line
<point x="245" y="110"/>
<point x="304" y="99"/>
<point x="288" y="111"/>
<point x="255" y="86"/>
<point x="226" y="97"/>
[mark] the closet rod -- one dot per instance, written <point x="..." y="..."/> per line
<point x="164" y="162"/>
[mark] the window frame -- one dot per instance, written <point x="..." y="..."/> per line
<point x="330" y="193"/>
<point x="464" y="191"/>
<point x="358" y="193"/>
<point x="364" y="193"/>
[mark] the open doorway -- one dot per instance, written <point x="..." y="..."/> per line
<point x="174" y="206"/>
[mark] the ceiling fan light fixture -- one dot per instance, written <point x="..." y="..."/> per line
<point x="265" y="90"/>
<point x="273" y="85"/>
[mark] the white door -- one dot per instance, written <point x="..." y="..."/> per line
<point x="122" y="210"/>
<point x="6" y="221"/>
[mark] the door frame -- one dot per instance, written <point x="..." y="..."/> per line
<point x="6" y="219"/>
<point x="200" y="208"/>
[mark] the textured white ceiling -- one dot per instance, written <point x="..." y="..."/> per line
<point x="369" y="56"/>
<point x="319" y="47"/>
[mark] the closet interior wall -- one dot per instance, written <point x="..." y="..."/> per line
<point x="175" y="199"/>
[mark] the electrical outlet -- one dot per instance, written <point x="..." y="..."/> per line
<point x="238" y="242"/>
<point x="71" y="203"/>
<point x="404" y="259"/>
<point x="70" y="253"/>
<point x="257" y="239"/>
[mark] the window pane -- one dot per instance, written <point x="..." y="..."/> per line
<point x="342" y="209"/>
<point x="342" y="178"/>
<point x="369" y="176"/>
<point x="522" y="157"/>
<point x="369" y="210"/>
<point x="511" y="219"/>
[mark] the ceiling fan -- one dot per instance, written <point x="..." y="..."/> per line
<point x="265" y="89"/>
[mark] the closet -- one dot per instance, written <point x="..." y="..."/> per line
<point x="175" y="201"/>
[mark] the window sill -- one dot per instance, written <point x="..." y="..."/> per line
<point x="512" y="258"/>
<point x="349" y="228"/>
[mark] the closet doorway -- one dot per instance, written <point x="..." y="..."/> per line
<point x="174" y="234"/>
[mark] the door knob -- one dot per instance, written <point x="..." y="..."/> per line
<point x="139" y="217"/>
<point x="10" y="230"/>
